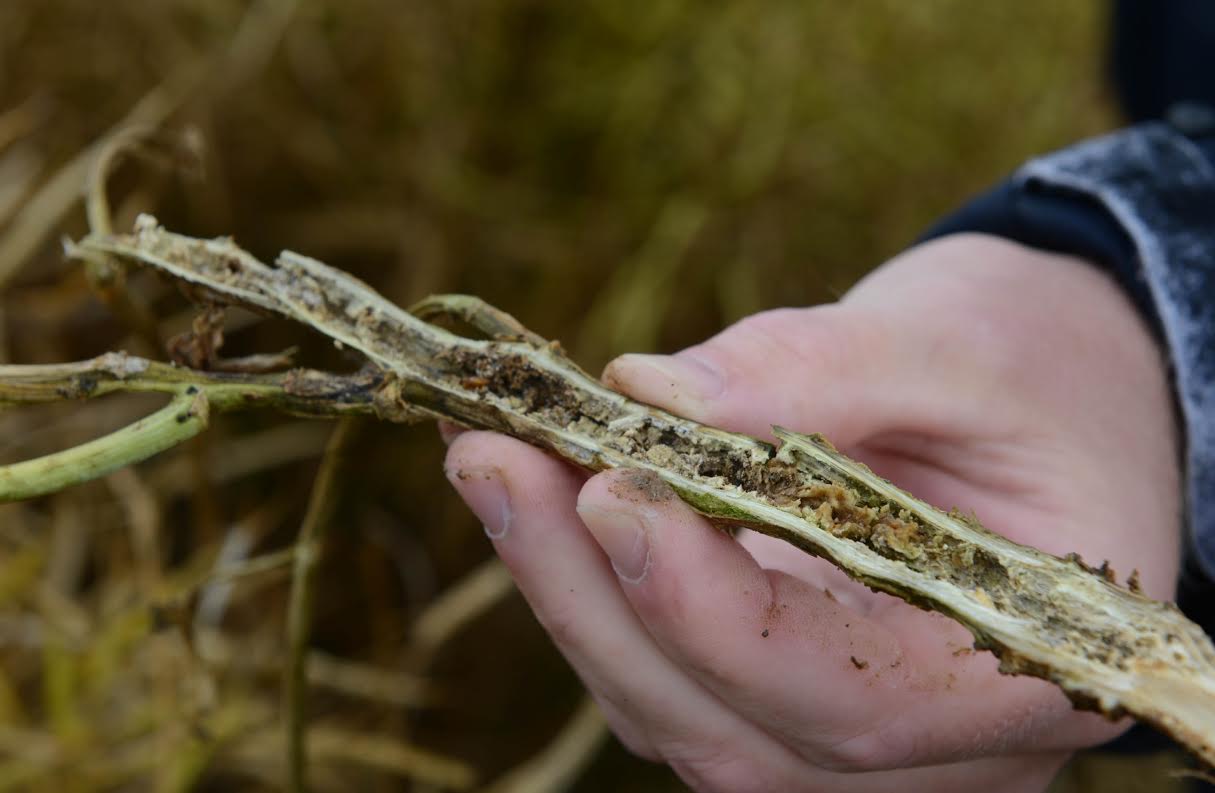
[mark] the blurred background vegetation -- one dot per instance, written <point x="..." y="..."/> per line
<point x="622" y="175"/>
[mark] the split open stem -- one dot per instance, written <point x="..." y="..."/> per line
<point x="1107" y="646"/>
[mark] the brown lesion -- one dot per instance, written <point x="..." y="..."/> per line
<point x="517" y="381"/>
<point x="199" y="347"/>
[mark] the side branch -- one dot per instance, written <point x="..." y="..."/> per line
<point x="184" y="417"/>
<point x="300" y="392"/>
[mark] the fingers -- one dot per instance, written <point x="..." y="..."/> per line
<point x="781" y="652"/>
<point x="842" y="689"/>
<point x="846" y="370"/>
<point x="818" y="368"/>
<point x="527" y="501"/>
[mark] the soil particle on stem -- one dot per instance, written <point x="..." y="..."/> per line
<point x="638" y="485"/>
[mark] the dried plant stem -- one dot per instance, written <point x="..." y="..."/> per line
<point x="144" y="519"/>
<point x="561" y="762"/>
<point x="1108" y="647"/>
<point x="253" y="566"/>
<point x="379" y="684"/>
<point x="299" y="609"/>
<point x="458" y="605"/>
<point x="244" y="54"/>
<point x="104" y="274"/>
<point x="54" y="199"/>
<point x="390" y="755"/>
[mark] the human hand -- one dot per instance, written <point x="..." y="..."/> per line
<point x="971" y="371"/>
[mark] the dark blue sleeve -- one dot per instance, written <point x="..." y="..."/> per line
<point x="1141" y="205"/>
<point x="1161" y="56"/>
<point x="1055" y="220"/>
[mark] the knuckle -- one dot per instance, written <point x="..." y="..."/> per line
<point x="708" y="771"/>
<point x="704" y="658"/>
<point x="633" y="743"/>
<point x="868" y="751"/>
<point x="561" y="622"/>
<point x="772" y="327"/>
<point x="631" y="735"/>
<point x="821" y="337"/>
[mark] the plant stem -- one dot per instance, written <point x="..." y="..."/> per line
<point x="303" y="392"/>
<point x="308" y="550"/>
<point x="184" y="417"/>
<point x="1108" y="647"/>
<point x="300" y="392"/>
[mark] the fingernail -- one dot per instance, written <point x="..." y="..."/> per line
<point x="682" y="374"/>
<point x="623" y="537"/>
<point x="485" y="491"/>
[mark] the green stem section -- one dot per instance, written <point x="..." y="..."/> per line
<point x="299" y="608"/>
<point x="185" y="416"/>
<point x="300" y="392"/>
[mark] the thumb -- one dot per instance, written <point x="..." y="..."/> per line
<point x="820" y="369"/>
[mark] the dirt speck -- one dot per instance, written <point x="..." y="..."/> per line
<point x="858" y="663"/>
<point x="639" y="484"/>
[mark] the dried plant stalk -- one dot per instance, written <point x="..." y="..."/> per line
<point x="308" y="547"/>
<point x="1109" y="648"/>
